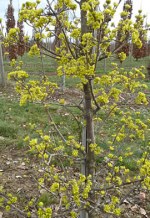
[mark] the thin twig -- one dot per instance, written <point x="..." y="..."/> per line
<point x="51" y="120"/>
<point x="66" y="39"/>
<point x="113" y="186"/>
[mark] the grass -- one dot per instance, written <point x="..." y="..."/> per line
<point x="34" y="64"/>
<point x="14" y="120"/>
<point x="130" y="62"/>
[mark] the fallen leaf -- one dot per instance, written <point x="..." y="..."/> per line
<point x="66" y="114"/>
<point x="18" y="177"/>
<point x="40" y="171"/>
<point x="126" y="202"/>
<point x="19" y="189"/>
<point x="43" y="191"/>
<point x="8" y="162"/>
<point x="21" y="167"/>
<point x="135" y="208"/>
<point x="15" y="161"/>
<point x="142" y="211"/>
<point x="2" y="138"/>
<point x="142" y="196"/>
<point x="1" y="214"/>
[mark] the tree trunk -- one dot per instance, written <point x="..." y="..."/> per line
<point x="88" y="116"/>
<point x="88" y="165"/>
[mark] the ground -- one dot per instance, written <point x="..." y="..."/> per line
<point x="18" y="175"/>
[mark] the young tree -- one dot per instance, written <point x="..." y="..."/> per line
<point x="107" y="110"/>
<point x="10" y="23"/>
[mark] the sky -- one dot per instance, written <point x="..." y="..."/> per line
<point x="137" y="4"/>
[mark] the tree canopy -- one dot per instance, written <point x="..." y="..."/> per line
<point x="110" y="108"/>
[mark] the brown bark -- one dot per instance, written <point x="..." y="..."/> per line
<point x="88" y="116"/>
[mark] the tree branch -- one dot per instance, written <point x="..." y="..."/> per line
<point x="66" y="39"/>
<point x="93" y="97"/>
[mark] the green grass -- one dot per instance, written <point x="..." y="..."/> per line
<point x="47" y="199"/>
<point x="8" y="129"/>
<point x="34" y="64"/>
<point x="105" y="65"/>
<point x="14" y="120"/>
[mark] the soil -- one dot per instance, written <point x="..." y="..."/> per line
<point x="18" y="176"/>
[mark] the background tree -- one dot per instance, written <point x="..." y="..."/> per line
<point x="57" y="42"/>
<point x="148" y="47"/>
<point x="21" y="43"/>
<point x="126" y="14"/>
<point x="105" y="99"/>
<point x="10" y="23"/>
<point x="140" y="52"/>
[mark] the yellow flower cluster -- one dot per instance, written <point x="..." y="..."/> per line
<point x="141" y="98"/>
<point x="34" y="50"/>
<point x="31" y="90"/>
<point x="112" y="207"/>
<point x="18" y="75"/>
<point x="145" y="172"/>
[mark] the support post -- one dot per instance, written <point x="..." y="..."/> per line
<point x="83" y="213"/>
<point x="2" y="79"/>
